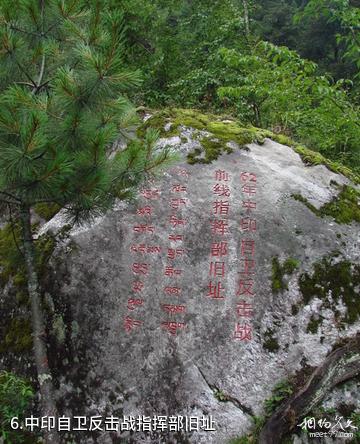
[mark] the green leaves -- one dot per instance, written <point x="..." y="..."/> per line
<point x="276" y="88"/>
<point x="342" y="16"/>
<point x="15" y="396"/>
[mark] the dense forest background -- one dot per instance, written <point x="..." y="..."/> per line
<point x="290" y="66"/>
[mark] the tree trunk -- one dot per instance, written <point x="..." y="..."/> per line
<point x="48" y="407"/>
<point x="341" y="365"/>
<point x="257" y="115"/>
<point x="246" y="18"/>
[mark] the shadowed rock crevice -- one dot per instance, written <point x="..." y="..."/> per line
<point x="225" y="397"/>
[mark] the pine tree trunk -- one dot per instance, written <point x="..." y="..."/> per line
<point x="48" y="407"/>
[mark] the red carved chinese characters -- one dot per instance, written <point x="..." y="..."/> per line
<point x="216" y="290"/>
<point x="130" y="323"/>
<point x="173" y="271"/>
<point x="141" y="270"/>
<point x="242" y="332"/>
<point x="247" y="264"/>
<point x="219" y="225"/>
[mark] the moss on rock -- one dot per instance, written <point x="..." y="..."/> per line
<point x="17" y="336"/>
<point x="290" y="265"/>
<point x="212" y="148"/>
<point x="270" y="343"/>
<point x="222" y="130"/>
<point x="310" y="157"/>
<point x="227" y="129"/>
<point x="47" y="210"/>
<point x="11" y="260"/>
<point x="334" y="282"/>
<point x="294" y="309"/>
<point x="344" y="208"/>
<point x="313" y="325"/>
<point x="279" y="271"/>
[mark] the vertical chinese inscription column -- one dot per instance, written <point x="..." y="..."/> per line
<point x="175" y="253"/>
<point x="246" y="283"/>
<point x="140" y="267"/>
<point x="220" y="229"/>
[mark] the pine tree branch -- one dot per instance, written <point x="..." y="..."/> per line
<point x="45" y="176"/>
<point x="42" y="68"/>
<point x="15" y="28"/>
<point x="41" y="75"/>
<point x="25" y="83"/>
<point x="24" y="71"/>
<point x="64" y="17"/>
<point x="8" y="202"/>
<point x="16" y="199"/>
<point x="42" y="85"/>
<point x="39" y="156"/>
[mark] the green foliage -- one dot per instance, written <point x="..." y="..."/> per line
<point x="274" y="22"/>
<point x="189" y="51"/>
<point x="176" y="45"/>
<point x="355" y="418"/>
<point x="343" y="18"/>
<point x="276" y="88"/>
<point x="137" y="160"/>
<point x="15" y="396"/>
<point x="281" y="391"/>
<point x="220" y="395"/>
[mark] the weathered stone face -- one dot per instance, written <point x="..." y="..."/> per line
<point x="203" y="369"/>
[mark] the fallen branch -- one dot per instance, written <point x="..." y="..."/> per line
<point x="341" y="364"/>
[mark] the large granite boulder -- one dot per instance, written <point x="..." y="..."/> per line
<point x="219" y="281"/>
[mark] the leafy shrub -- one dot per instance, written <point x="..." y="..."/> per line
<point x="15" y="396"/>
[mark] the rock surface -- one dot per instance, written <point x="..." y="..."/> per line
<point x="202" y="369"/>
